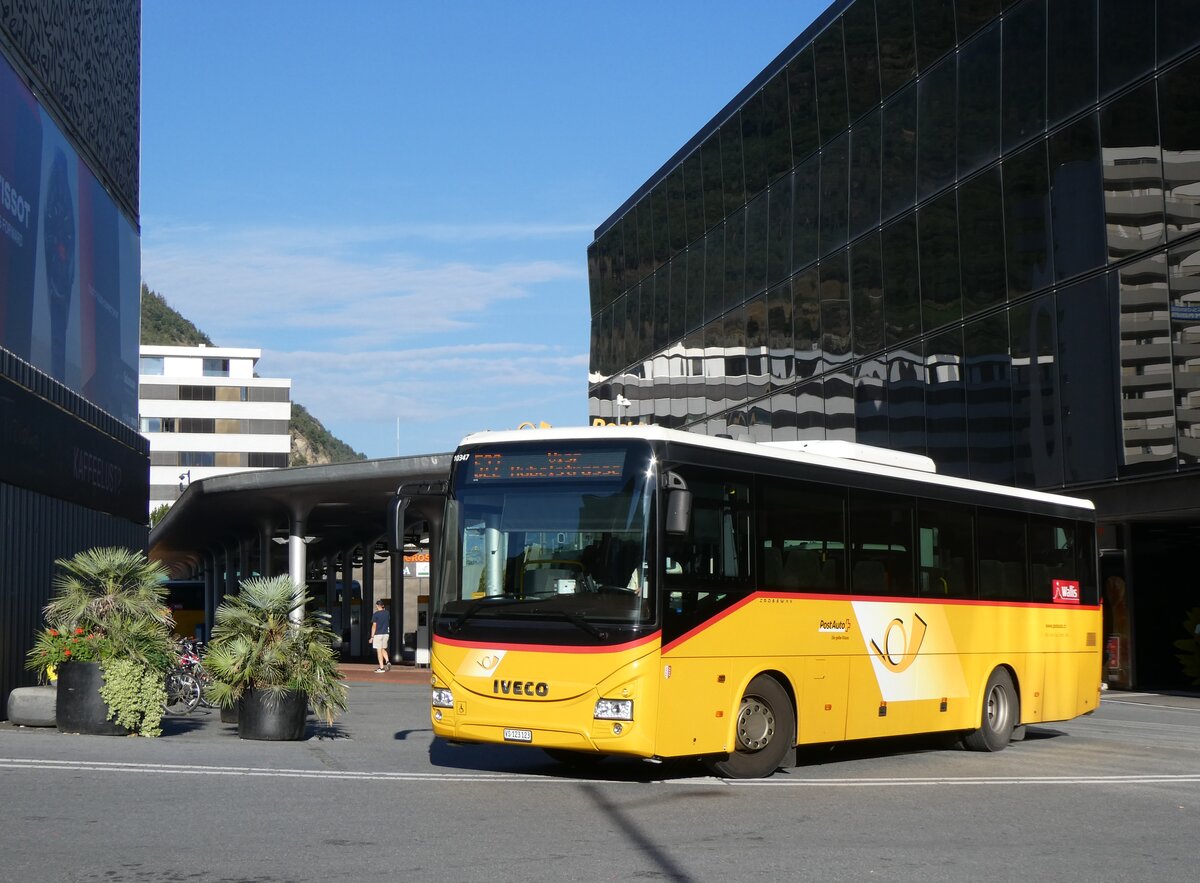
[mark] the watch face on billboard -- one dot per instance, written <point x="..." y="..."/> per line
<point x="69" y="260"/>
<point x="58" y="247"/>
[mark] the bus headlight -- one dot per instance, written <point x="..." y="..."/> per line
<point x="442" y="697"/>
<point x="614" y="710"/>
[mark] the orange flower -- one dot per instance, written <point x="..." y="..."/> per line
<point x="54" y="633"/>
<point x="78" y="631"/>
<point x="67" y="653"/>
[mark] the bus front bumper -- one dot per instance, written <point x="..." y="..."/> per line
<point x="570" y="724"/>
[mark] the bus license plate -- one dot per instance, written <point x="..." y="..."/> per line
<point x="518" y="735"/>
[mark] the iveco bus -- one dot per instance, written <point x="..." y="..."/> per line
<point x="654" y="593"/>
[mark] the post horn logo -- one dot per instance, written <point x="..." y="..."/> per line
<point x="900" y="648"/>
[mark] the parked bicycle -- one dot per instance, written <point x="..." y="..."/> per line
<point x="183" y="692"/>
<point x="185" y="684"/>
<point x="192" y="659"/>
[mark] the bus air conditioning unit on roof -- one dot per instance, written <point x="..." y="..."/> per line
<point x="843" y="450"/>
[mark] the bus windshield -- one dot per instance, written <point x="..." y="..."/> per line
<point x="551" y="542"/>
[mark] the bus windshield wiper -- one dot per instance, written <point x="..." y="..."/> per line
<point x="579" y="622"/>
<point x="489" y="600"/>
<point x="502" y="601"/>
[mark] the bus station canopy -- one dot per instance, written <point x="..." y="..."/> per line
<point x="336" y="506"/>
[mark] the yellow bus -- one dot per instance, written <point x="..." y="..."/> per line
<point x="653" y="593"/>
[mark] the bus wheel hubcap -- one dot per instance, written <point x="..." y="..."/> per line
<point x="755" y="724"/>
<point x="997" y="709"/>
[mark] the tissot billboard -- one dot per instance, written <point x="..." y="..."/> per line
<point x="69" y="260"/>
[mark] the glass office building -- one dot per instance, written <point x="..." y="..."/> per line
<point x="964" y="228"/>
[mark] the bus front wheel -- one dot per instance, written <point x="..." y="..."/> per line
<point x="1000" y="714"/>
<point x="765" y="731"/>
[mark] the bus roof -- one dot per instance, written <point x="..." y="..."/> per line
<point x="846" y="456"/>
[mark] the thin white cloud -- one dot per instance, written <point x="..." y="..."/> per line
<point x="304" y="279"/>
<point x="468" y="370"/>
<point x="343" y="237"/>
<point x="499" y="384"/>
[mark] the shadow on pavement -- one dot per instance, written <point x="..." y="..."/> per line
<point x="533" y="761"/>
<point x="403" y="735"/>
<point x="322" y="731"/>
<point x="178" y="724"/>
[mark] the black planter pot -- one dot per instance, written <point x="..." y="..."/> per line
<point x="229" y="715"/>
<point x="79" y="707"/>
<point x="266" y="717"/>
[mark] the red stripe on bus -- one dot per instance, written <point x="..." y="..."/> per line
<point x="691" y="633"/>
<point x="875" y="599"/>
<point x="922" y="599"/>
<point x="548" y="648"/>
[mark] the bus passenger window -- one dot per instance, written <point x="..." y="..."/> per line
<point x="946" y="542"/>
<point x="801" y="535"/>
<point x="1051" y="555"/>
<point x="881" y="535"/>
<point x="1085" y="562"/>
<point x="1001" y="545"/>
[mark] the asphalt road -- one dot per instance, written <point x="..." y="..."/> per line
<point x="1115" y="796"/>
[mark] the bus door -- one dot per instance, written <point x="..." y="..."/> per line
<point x="705" y="652"/>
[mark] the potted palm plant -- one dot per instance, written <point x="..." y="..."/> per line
<point x="108" y="638"/>
<point x="272" y="658"/>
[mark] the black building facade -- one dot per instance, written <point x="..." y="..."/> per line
<point x="74" y="472"/>
<point x="963" y="228"/>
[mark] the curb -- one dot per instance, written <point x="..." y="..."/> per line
<point x="364" y="673"/>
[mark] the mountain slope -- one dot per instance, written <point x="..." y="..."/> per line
<point x="163" y="326"/>
<point x="312" y="443"/>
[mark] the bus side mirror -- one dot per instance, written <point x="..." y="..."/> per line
<point x="679" y="512"/>
<point x="395" y="532"/>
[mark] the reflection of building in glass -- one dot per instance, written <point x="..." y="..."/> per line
<point x="1147" y="398"/>
<point x="206" y="412"/>
<point x="969" y="230"/>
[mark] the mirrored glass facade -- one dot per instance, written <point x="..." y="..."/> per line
<point x="963" y="228"/>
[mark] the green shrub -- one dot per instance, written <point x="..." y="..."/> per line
<point x="136" y="696"/>
<point x="264" y="639"/>
<point x="109" y="606"/>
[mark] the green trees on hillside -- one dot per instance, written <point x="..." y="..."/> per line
<point x="326" y="447"/>
<point x="162" y="326"/>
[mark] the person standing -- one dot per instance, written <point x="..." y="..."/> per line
<point x="380" y="623"/>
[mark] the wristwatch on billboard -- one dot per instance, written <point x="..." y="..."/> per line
<point x="59" y="250"/>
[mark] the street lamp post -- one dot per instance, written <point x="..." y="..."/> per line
<point x="623" y="404"/>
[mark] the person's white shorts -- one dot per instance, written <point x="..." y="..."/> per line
<point x="379" y="642"/>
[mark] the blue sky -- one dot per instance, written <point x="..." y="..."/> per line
<point x="393" y="200"/>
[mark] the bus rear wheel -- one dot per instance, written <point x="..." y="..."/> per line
<point x="765" y="731"/>
<point x="1000" y="714"/>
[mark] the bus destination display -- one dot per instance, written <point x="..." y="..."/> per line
<point x="547" y="465"/>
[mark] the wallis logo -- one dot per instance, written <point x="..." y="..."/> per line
<point x="899" y="647"/>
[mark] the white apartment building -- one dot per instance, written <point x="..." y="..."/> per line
<point x="206" y="413"/>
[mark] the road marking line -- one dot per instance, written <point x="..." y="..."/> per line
<point x="1133" y="702"/>
<point x="1183" y="778"/>
<point x="476" y="778"/>
<point x="197" y="770"/>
